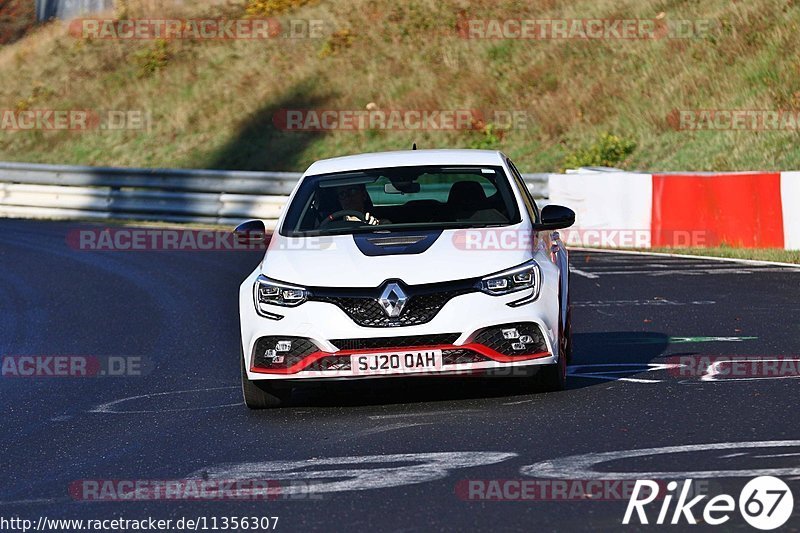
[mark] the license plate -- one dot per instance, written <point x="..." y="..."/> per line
<point x="396" y="362"/>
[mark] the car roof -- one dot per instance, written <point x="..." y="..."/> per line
<point x="406" y="158"/>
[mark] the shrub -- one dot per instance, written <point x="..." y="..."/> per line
<point x="607" y="151"/>
<point x="488" y="138"/>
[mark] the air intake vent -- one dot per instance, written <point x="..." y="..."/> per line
<point x="396" y="241"/>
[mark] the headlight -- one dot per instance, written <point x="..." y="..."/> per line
<point x="267" y="291"/>
<point x="525" y="276"/>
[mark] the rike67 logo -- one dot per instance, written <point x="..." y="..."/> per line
<point x="765" y="503"/>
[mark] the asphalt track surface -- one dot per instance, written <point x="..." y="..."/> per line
<point x="407" y="444"/>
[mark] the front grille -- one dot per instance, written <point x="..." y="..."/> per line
<point x="461" y="356"/>
<point x="493" y="338"/>
<point x="330" y="364"/>
<point x="300" y="348"/>
<point x="395" y="342"/>
<point x="419" y="309"/>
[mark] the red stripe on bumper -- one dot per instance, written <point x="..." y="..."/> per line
<point x="479" y="348"/>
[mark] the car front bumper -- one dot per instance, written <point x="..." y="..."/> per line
<point x="466" y="329"/>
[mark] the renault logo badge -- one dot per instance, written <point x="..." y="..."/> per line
<point x="393" y="300"/>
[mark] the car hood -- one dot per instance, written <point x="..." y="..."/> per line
<point x="341" y="261"/>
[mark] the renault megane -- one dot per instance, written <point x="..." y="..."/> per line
<point x="423" y="262"/>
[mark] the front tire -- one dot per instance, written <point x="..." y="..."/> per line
<point x="568" y="336"/>
<point x="553" y="378"/>
<point x="263" y="394"/>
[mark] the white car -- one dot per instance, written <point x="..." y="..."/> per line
<point x="408" y="263"/>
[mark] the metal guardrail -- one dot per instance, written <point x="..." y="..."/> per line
<point x="65" y="9"/>
<point x="171" y="195"/>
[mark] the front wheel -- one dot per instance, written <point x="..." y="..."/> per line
<point x="553" y="378"/>
<point x="263" y="394"/>
<point x="568" y="336"/>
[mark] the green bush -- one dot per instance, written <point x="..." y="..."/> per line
<point x="488" y="138"/>
<point x="607" y="151"/>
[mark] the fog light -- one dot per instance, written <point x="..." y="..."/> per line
<point x="510" y="333"/>
<point x="283" y="346"/>
<point x="525" y="339"/>
<point x="273" y="357"/>
<point x="518" y="346"/>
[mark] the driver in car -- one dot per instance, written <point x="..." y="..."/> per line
<point x="355" y="198"/>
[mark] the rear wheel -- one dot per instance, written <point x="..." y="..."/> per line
<point x="263" y="394"/>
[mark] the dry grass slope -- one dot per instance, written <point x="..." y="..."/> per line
<point x="211" y="104"/>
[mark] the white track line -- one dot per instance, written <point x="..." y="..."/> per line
<point x="684" y="256"/>
<point x="688" y="271"/>
<point x="582" y="466"/>
<point x="427" y="413"/>
<point x="108" y="407"/>
<point x="583" y="273"/>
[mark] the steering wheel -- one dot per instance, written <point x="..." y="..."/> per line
<point x="341" y="214"/>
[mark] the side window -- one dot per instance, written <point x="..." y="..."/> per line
<point x="530" y="203"/>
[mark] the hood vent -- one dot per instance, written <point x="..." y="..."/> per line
<point x="396" y="241"/>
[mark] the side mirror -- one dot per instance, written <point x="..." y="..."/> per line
<point x="252" y="233"/>
<point x="556" y="217"/>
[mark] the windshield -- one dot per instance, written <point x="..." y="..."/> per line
<point x="401" y="198"/>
